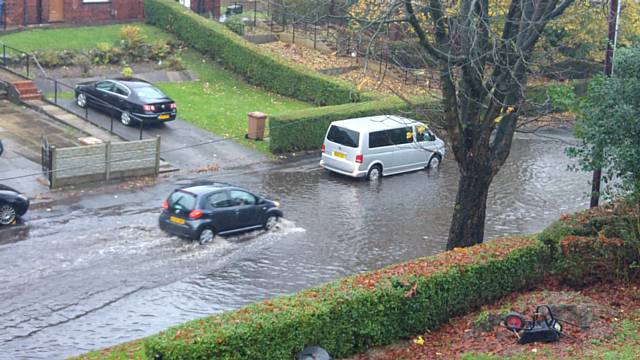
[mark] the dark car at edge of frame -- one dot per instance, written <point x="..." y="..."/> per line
<point x="130" y="100"/>
<point x="204" y="211"/>
<point x="12" y="205"/>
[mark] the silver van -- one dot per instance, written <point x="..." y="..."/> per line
<point x="380" y="145"/>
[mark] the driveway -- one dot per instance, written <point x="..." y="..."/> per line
<point x="183" y="145"/>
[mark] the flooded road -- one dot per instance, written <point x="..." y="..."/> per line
<point x="96" y="272"/>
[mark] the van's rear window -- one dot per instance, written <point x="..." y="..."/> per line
<point x="344" y="136"/>
<point x="182" y="200"/>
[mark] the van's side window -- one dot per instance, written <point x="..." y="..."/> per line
<point x="400" y="136"/>
<point x="379" y="139"/>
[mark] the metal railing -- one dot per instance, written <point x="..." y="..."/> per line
<point x="16" y="60"/>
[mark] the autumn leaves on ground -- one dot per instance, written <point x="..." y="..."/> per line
<point x="611" y="311"/>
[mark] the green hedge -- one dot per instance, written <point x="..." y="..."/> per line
<point x="352" y="314"/>
<point x="257" y="66"/>
<point x="600" y="244"/>
<point x="305" y="129"/>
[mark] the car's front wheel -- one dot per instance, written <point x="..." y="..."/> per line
<point x="81" y="100"/>
<point x="206" y="236"/>
<point x="125" y="118"/>
<point x="7" y="214"/>
<point x="434" y="161"/>
<point x="271" y="222"/>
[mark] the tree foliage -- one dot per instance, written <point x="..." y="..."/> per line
<point x="609" y="123"/>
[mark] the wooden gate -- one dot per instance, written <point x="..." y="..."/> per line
<point x="46" y="155"/>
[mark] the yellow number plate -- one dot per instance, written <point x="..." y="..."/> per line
<point x="163" y="117"/>
<point x="176" y="220"/>
<point x="339" y="154"/>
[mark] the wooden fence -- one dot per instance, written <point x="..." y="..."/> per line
<point x="103" y="162"/>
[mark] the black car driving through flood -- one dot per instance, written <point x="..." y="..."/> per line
<point x="204" y="211"/>
<point x="132" y="100"/>
<point x="12" y="205"/>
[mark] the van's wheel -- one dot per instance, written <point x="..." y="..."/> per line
<point x="375" y="173"/>
<point x="7" y="214"/>
<point x="206" y="236"/>
<point x="271" y="222"/>
<point x="434" y="161"/>
<point x="125" y="118"/>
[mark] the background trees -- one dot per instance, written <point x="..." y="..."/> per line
<point x="609" y="123"/>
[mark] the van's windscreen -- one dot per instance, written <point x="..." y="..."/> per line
<point x="344" y="136"/>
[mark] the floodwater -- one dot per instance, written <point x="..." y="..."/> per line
<point x="95" y="272"/>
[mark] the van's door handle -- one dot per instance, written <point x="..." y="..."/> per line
<point x="237" y="211"/>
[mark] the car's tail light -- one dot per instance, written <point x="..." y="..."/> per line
<point x="195" y="214"/>
<point x="323" y="148"/>
<point x="148" y="107"/>
<point x="173" y="105"/>
<point x="359" y="159"/>
<point x="165" y="204"/>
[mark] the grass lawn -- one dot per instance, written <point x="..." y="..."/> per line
<point x="219" y="101"/>
<point x="74" y="38"/>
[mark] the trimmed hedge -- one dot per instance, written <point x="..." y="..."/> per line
<point x="257" y="66"/>
<point x="305" y="129"/>
<point x="352" y="314"/>
<point x="599" y="244"/>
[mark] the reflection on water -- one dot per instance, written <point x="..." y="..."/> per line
<point x="87" y="277"/>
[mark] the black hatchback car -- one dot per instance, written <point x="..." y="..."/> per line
<point x="202" y="212"/>
<point x="133" y="100"/>
<point x="12" y="205"/>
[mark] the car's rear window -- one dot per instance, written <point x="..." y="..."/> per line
<point x="149" y="94"/>
<point x="182" y="200"/>
<point x="344" y="136"/>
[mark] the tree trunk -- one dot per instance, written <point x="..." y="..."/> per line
<point x="469" y="212"/>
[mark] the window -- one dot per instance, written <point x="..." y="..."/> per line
<point x="121" y="90"/>
<point x="401" y="135"/>
<point x="182" y="200"/>
<point x="379" y="139"/>
<point x="219" y="200"/>
<point x="344" y="136"/>
<point x="148" y="94"/>
<point x="242" y="198"/>
<point x="105" y="86"/>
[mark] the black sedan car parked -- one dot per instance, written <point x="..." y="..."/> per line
<point x="204" y="211"/>
<point x="12" y="205"/>
<point x="133" y="100"/>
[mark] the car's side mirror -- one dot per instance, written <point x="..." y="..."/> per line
<point x="260" y="201"/>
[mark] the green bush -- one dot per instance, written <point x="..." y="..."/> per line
<point x="305" y="129"/>
<point x="352" y="314"/>
<point x="595" y="245"/>
<point x="259" y="67"/>
<point x="235" y="24"/>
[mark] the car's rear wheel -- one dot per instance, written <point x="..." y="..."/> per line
<point x="81" y="100"/>
<point x="375" y="173"/>
<point x="125" y="118"/>
<point x="206" y="236"/>
<point x="7" y="214"/>
<point x="271" y="222"/>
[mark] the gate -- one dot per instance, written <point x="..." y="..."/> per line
<point x="46" y="155"/>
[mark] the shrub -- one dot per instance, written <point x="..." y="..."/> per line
<point x="235" y="24"/>
<point x="127" y="72"/>
<point x="305" y="129"/>
<point x="84" y="61"/>
<point x="159" y="50"/>
<point x="174" y="63"/>
<point x="597" y="244"/>
<point x="349" y="315"/>
<point x="258" y="66"/>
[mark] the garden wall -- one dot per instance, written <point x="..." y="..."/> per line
<point x="257" y="66"/>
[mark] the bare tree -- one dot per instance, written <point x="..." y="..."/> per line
<point x="483" y="62"/>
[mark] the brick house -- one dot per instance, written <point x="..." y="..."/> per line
<point x="204" y="7"/>
<point x="29" y="12"/>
